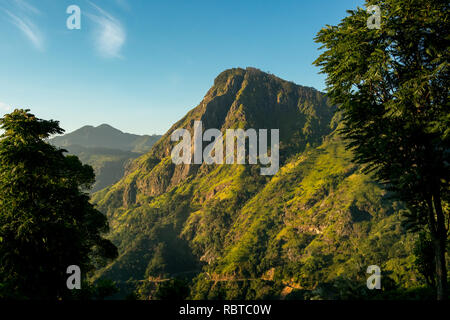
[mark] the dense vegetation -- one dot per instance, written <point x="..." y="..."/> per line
<point x="225" y="231"/>
<point x="109" y="164"/>
<point x="46" y="220"/>
<point x="392" y="86"/>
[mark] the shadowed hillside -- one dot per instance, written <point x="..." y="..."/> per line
<point x="106" y="149"/>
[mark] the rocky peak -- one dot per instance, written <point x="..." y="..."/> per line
<point x="240" y="98"/>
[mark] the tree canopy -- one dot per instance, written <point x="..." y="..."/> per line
<point x="392" y="86"/>
<point x="46" y="220"/>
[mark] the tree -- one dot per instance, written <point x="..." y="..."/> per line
<point x="392" y="87"/>
<point x="423" y="250"/>
<point x="174" y="290"/>
<point x="46" y="220"/>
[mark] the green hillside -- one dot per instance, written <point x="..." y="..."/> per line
<point x="109" y="164"/>
<point x="310" y="231"/>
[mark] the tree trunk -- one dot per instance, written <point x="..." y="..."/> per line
<point x="440" y="242"/>
<point x="441" y="270"/>
<point x="438" y="233"/>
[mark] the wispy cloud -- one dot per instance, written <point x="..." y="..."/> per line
<point x="21" y="18"/>
<point x="110" y="35"/>
<point x="23" y="5"/>
<point x="29" y="29"/>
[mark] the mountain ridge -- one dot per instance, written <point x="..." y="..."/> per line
<point x="105" y="136"/>
<point x="107" y="149"/>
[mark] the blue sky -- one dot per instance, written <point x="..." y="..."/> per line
<point x="140" y="65"/>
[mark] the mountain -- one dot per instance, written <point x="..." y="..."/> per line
<point x="105" y="136"/>
<point x="309" y="231"/>
<point x="106" y="149"/>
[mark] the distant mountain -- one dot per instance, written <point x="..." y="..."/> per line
<point x="105" y="136"/>
<point x="309" y="231"/>
<point x="106" y="149"/>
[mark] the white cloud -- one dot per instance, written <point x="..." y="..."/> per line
<point x="110" y="35"/>
<point x="4" y="107"/>
<point x="21" y="19"/>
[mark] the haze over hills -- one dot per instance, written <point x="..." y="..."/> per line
<point x="105" y="136"/>
<point x="106" y="149"/>
<point x="317" y="223"/>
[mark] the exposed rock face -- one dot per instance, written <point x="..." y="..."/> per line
<point x="129" y="194"/>
<point x="240" y="99"/>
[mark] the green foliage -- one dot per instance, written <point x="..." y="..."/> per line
<point x="100" y="290"/>
<point x="46" y="220"/>
<point x="175" y="289"/>
<point x="108" y="164"/>
<point x="424" y="253"/>
<point x="391" y="85"/>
